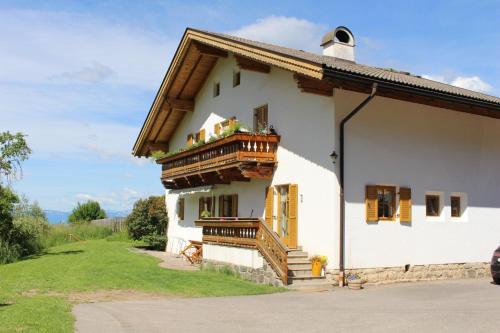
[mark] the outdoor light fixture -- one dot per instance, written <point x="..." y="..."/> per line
<point x="334" y="156"/>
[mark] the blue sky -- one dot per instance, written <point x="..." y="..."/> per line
<point x="78" y="77"/>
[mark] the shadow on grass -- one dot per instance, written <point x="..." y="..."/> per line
<point x="2" y="305"/>
<point x="44" y="253"/>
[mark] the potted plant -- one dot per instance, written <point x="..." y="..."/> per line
<point x="317" y="264"/>
<point x="205" y="214"/>
<point x="355" y="282"/>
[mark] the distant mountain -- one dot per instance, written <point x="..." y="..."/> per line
<point x="56" y="216"/>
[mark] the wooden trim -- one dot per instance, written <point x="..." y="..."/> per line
<point x="180" y="104"/>
<point x="314" y="86"/>
<point x="252" y="65"/>
<point x="209" y="50"/>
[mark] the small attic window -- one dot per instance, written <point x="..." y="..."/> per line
<point x="216" y="89"/>
<point x="342" y="36"/>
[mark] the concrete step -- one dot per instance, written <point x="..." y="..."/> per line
<point x="315" y="285"/>
<point x="298" y="254"/>
<point x="299" y="266"/>
<point x="305" y="277"/>
<point x="299" y="272"/>
<point x="298" y="261"/>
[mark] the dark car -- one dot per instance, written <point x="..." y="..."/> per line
<point x="495" y="266"/>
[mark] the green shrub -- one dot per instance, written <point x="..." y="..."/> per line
<point x="9" y="253"/>
<point x="86" y="212"/>
<point x="120" y="236"/>
<point x="148" y="222"/>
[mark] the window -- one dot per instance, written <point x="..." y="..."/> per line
<point x="236" y="78"/>
<point x="206" y="207"/>
<point x="228" y="205"/>
<point x="200" y="136"/>
<point x="386" y="197"/>
<point x="260" y="119"/>
<point x="225" y="125"/>
<point x="455" y="206"/>
<point x="432" y="205"/>
<point x="189" y="141"/>
<point x="216" y="89"/>
<point x="180" y="209"/>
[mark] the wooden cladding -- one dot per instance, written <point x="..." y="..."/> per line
<point x="314" y="86"/>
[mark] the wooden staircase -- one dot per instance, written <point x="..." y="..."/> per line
<point x="300" y="274"/>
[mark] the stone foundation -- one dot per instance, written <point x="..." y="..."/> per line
<point x="264" y="275"/>
<point x="417" y="273"/>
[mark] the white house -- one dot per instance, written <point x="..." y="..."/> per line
<point x="287" y="154"/>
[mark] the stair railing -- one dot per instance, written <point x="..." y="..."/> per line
<point x="273" y="250"/>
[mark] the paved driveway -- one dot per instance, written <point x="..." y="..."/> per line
<point x="445" y="306"/>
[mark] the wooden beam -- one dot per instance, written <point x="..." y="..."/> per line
<point x="155" y="146"/>
<point x="314" y="86"/>
<point x="209" y="50"/>
<point x="252" y="65"/>
<point x="179" y="104"/>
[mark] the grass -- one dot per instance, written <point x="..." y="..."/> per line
<point x="58" y="234"/>
<point x="90" y="266"/>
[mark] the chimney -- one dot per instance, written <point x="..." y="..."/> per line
<point x="339" y="43"/>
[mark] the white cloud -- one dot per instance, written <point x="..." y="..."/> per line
<point x="117" y="200"/>
<point x="474" y="83"/>
<point x="93" y="73"/>
<point x="285" y="31"/>
<point x="42" y="45"/>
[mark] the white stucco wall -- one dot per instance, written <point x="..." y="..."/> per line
<point x="432" y="151"/>
<point x="234" y="255"/>
<point x="306" y="125"/>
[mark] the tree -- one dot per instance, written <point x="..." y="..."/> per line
<point x="86" y="212"/>
<point x="148" y="222"/>
<point x="13" y="150"/>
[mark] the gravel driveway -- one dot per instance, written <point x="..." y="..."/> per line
<point x="444" y="306"/>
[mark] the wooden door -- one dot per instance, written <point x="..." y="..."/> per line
<point x="287" y="214"/>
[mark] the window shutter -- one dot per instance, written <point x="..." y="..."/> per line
<point x="221" y="205"/>
<point x="217" y="129"/>
<point x="269" y="206"/>
<point x="180" y="213"/>
<point x="293" y="200"/>
<point x="232" y="122"/>
<point x="371" y="203"/>
<point x="405" y="204"/>
<point x="234" y="205"/>
<point x="189" y="140"/>
<point x="202" y="135"/>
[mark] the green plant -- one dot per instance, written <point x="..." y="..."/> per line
<point x="353" y="276"/>
<point x="155" y="241"/>
<point x="205" y="214"/>
<point x="157" y="154"/>
<point x="320" y="258"/>
<point x="59" y="234"/>
<point x="148" y="218"/>
<point x="86" y="212"/>
<point x="13" y="150"/>
<point x="212" y="139"/>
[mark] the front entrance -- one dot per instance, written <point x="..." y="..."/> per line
<point x="283" y="200"/>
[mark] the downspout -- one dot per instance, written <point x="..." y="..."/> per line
<point x="342" y="181"/>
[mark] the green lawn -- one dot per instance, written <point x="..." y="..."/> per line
<point x="33" y="291"/>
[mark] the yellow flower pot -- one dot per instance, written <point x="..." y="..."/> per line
<point x="316" y="268"/>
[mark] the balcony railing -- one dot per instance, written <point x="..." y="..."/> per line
<point x="235" y="157"/>
<point x="250" y="233"/>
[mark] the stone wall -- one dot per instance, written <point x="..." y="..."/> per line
<point x="264" y="275"/>
<point x="418" y="273"/>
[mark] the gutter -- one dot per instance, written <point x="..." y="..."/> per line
<point x="342" y="181"/>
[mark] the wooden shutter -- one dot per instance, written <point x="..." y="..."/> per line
<point x="189" y="140"/>
<point x="234" y="205"/>
<point x="269" y="206"/>
<point x="221" y="205"/>
<point x="217" y="129"/>
<point x="202" y="135"/>
<point x="232" y="122"/>
<point x="371" y="203"/>
<point x="180" y="212"/>
<point x="405" y="204"/>
<point x="293" y="201"/>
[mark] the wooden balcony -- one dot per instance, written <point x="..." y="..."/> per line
<point x="250" y="233"/>
<point x="238" y="157"/>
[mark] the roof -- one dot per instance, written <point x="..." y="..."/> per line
<point x="199" y="50"/>
<point x="390" y="75"/>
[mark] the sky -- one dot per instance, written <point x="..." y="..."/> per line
<point x="78" y="77"/>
